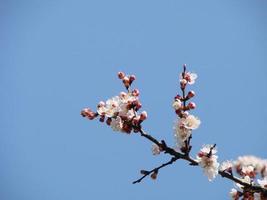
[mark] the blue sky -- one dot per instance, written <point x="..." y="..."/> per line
<point x="57" y="57"/>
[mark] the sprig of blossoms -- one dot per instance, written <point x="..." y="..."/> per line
<point x="186" y="122"/>
<point x="120" y="112"/>
<point x="207" y="159"/>
<point x="251" y="170"/>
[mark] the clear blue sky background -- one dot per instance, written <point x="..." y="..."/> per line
<point x="57" y="57"/>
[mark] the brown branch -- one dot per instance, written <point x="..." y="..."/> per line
<point x="177" y="155"/>
<point x="155" y="170"/>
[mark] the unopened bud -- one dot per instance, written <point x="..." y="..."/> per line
<point x="183" y="83"/>
<point x="108" y="121"/>
<point x="138" y="105"/>
<point x="192" y="105"/>
<point x="126" y="81"/>
<point x="136" y="120"/>
<point x="135" y="92"/>
<point x="143" y="116"/>
<point x="177" y="97"/>
<point x="132" y="78"/>
<point x="102" y="118"/>
<point x="190" y="94"/>
<point x="154" y="175"/>
<point x="121" y="75"/>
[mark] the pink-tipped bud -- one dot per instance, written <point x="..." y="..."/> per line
<point x="132" y="78"/>
<point x="87" y="112"/>
<point x="143" y="116"/>
<point x="121" y="75"/>
<point x="126" y="81"/>
<point x="101" y="104"/>
<point x="135" y="92"/>
<point x="192" y="105"/>
<point x="136" y="120"/>
<point x="102" y="118"/>
<point x="183" y="83"/>
<point x="108" y="121"/>
<point x="190" y="94"/>
<point x="138" y="105"/>
<point x="177" y="97"/>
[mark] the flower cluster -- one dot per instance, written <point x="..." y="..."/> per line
<point x="120" y="112"/>
<point x="186" y="122"/>
<point x="207" y="159"/>
<point x="251" y="170"/>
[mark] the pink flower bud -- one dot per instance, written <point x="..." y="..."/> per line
<point x="183" y="83"/>
<point x="177" y="97"/>
<point x="192" y="105"/>
<point x="126" y="81"/>
<point x="87" y="112"/>
<point x="121" y="75"/>
<point x="135" y="92"/>
<point x="132" y="78"/>
<point x="154" y="175"/>
<point x="138" y="105"/>
<point x="136" y="120"/>
<point x="143" y="116"/>
<point x="102" y="118"/>
<point x="108" y="121"/>
<point x="191" y="94"/>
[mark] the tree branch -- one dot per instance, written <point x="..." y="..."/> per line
<point x="155" y="170"/>
<point x="177" y="155"/>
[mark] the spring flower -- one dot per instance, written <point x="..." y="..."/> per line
<point x="177" y="104"/>
<point x="190" y="77"/>
<point x="116" y="124"/>
<point x="181" y="134"/>
<point x="208" y="161"/>
<point x="190" y="122"/>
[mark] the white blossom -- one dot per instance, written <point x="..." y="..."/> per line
<point x="208" y="161"/>
<point x="226" y="165"/>
<point x="155" y="149"/>
<point x="181" y="134"/>
<point x="190" y="122"/>
<point x="116" y="124"/>
<point x="177" y="104"/>
<point x="190" y="77"/>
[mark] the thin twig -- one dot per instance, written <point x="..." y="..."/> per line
<point x="155" y="170"/>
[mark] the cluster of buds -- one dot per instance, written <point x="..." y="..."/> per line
<point x="186" y="122"/>
<point x="127" y="80"/>
<point x="120" y="112"/>
<point x="251" y="170"/>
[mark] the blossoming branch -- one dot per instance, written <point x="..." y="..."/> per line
<point x="122" y="113"/>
